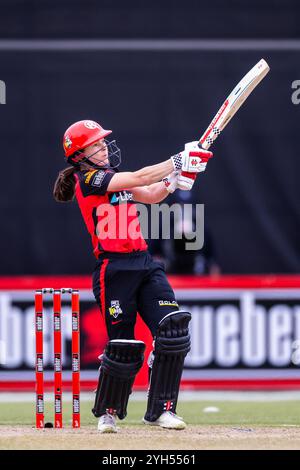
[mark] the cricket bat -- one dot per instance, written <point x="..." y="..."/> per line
<point x="233" y="102"/>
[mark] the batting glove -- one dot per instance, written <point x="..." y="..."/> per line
<point x="193" y="159"/>
<point x="185" y="180"/>
<point x="170" y="181"/>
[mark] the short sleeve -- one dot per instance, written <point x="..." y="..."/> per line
<point x="94" y="182"/>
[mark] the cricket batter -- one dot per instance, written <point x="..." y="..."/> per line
<point x="126" y="279"/>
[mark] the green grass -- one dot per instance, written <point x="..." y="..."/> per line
<point x="231" y="413"/>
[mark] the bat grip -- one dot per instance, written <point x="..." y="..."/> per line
<point x="204" y="146"/>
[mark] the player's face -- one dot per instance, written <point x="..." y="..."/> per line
<point x="99" y="153"/>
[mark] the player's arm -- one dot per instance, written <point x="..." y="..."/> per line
<point x="157" y="192"/>
<point x="152" y="194"/>
<point x="144" y="177"/>
<point x="192" y="159"/>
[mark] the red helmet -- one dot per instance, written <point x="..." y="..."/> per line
<point x="81" y="134"/>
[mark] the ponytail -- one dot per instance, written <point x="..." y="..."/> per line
<point x="64" y="187"/>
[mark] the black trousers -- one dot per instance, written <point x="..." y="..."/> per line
<point x="125" y="284"/>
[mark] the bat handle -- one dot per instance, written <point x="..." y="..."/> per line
<point x="204" y="145"/>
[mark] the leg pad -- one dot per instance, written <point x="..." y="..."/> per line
<point x="121" y="361"/>
<point x="172" y="343"/>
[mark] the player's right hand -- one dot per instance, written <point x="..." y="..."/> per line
<point x="179" y="180"/>
<point x="185" y="180"/>
<point x="193" y="159"/>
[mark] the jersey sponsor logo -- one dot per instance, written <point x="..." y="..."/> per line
<point x="98" y="178"/>
<point x="168" y="303"/>
<point x="121" y="197"/>
<point x="115" y="309"/>
<point x="89" y="175"/>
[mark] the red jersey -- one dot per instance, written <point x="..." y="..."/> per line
<point x="111" y="217"/>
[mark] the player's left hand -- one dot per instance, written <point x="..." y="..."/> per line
<point x="196" y="157"/>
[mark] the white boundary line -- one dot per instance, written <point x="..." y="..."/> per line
<point x="152" y="45"/>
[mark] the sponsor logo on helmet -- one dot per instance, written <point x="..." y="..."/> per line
<point x="115" y="309"/>
<point x="91" y="125"/>
<point x="168" y="303"/>
<point x="68" y="142"/>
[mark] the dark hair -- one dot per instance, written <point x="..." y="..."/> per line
<point x="64" y="187"/>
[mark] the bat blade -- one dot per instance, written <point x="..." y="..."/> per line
<point x="233" y="102"/>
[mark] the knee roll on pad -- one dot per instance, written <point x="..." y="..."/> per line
<point x="172" y="343"/>
<point x="121" y="361"/>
